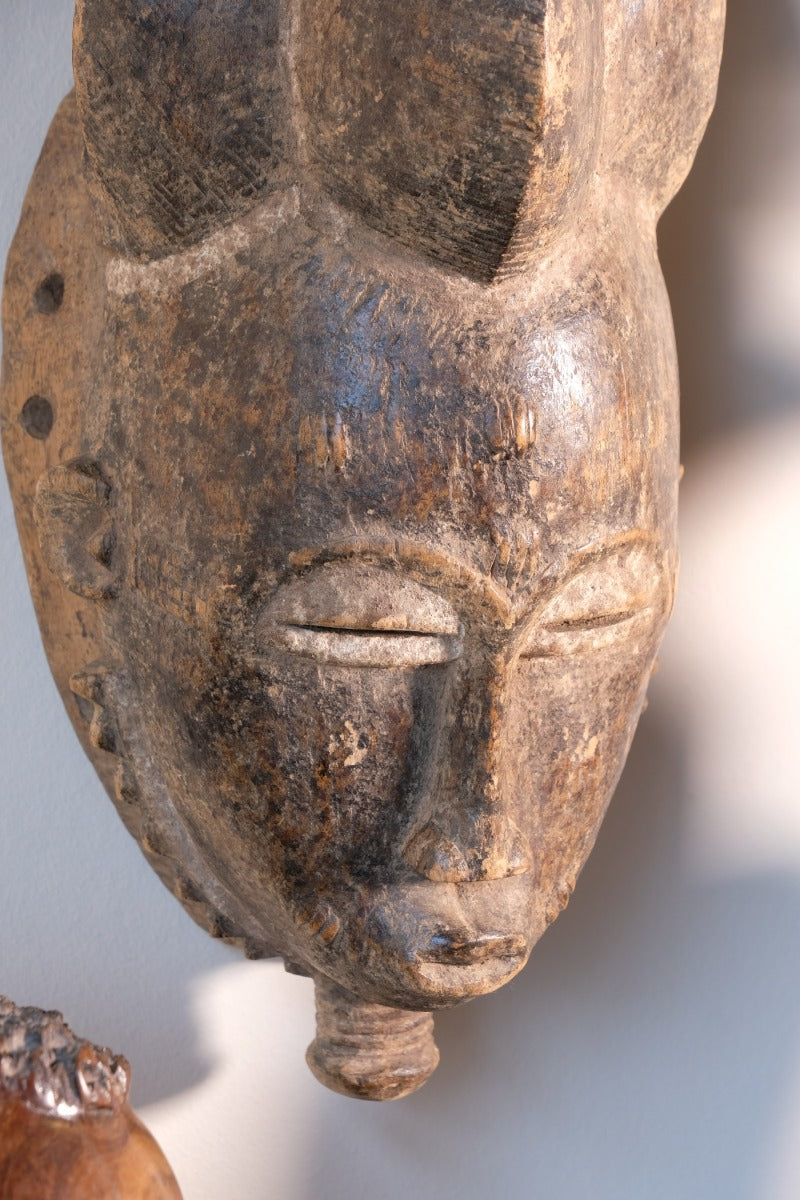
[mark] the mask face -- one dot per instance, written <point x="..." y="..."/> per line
<point x="352" y="526"/>
<point x="385" y="623"/>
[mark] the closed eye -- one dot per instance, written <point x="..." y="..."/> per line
<point x="366" y="633"/>
<point x="595" y="621"/>
<point x="344" y="615"/>
<point x="367" y="647"/>
<point x="612" y="597"/>
<point x="586" y="633"/>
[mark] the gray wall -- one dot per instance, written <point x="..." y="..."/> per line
<point x="651" y="1051"/>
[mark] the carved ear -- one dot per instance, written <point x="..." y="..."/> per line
<point x="73" y="521"/>
<point x="450" y="125"/>
<point x="182" y="114"/>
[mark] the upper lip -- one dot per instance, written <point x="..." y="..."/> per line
<point x="463" y="948"/>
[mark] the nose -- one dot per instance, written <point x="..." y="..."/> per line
<point x="468" y="850"/>
<point x="464" y="831"/>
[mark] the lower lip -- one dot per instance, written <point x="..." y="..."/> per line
<point x="468" y="953"/>
<point x="444" y="983"/>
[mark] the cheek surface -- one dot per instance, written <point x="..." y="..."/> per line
<point x="573" y="720"/>
<point x="346" y="750"/>
<point x="295" y="777"/>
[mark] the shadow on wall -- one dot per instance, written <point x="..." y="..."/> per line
<point x="647" y="1051"/>
<point x="741" y="197"/>
<point x="643" y="1054"/>
<point x="639" y="1056"/>
<point x="86" y="925"/>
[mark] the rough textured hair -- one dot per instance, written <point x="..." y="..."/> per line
<point x="54" y="1072"/>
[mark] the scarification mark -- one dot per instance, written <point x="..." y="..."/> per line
<point x="510" y="427"/>
<point x="91" y="687"/>
<point x="323" y="441"/>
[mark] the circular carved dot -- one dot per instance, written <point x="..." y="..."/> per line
<point x="37" y="417"/>
<point x="49" y="295"/>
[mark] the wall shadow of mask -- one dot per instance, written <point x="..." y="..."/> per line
<point x="353" y="529"/>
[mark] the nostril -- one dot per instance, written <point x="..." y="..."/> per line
<point x="510" y="853"/>
<point x="494" y="848"/>
<point x="431" y="853"/>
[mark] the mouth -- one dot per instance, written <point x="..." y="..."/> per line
<point x="464" y="950"/>
<point x="420" y="945"/>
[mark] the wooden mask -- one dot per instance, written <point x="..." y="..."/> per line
<point x="340" y="407"/>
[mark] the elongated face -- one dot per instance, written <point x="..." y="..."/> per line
<point x="388" y="614"/>
<point x="388" y="494"/>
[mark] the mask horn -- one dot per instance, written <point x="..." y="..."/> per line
<point x="462" y="130"/>
<point x="183" y="115"/>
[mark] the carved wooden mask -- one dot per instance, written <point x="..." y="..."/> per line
<point x="340" y="409"/>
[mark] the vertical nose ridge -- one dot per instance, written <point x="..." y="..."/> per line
<point x="465" y="832"/>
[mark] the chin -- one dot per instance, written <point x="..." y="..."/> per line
<point x="423" y="985"/>
<point x="442" y="985"/>
<point x="399" y="952"/>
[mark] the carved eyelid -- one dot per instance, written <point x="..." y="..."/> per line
<point x="606" y="591"/>
<point x="361" y="616"/>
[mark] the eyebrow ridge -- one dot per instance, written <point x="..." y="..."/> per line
<point x="406" y="551"/>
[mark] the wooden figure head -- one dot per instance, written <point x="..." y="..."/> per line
<point x="363" y="484"/>
<point x="66" y="1126"/>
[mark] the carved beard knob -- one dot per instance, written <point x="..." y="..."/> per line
<point x="368" y="1051"/>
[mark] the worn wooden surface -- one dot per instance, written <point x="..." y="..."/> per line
<point x="66" y="1129"/>
<point x="341" y="419"/>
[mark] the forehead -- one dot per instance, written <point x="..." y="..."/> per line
<point x="286" y="408"/>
